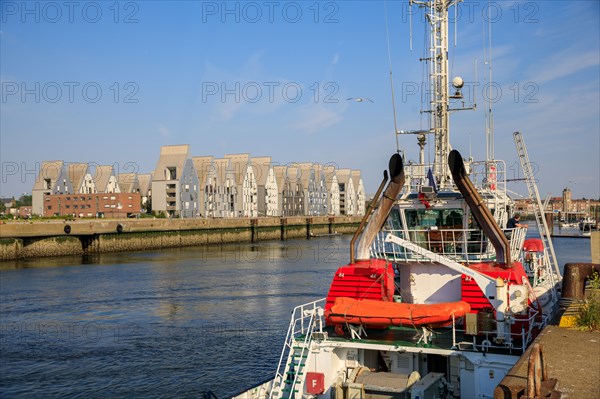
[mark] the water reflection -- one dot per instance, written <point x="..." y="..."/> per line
<point x="155" y="324"/>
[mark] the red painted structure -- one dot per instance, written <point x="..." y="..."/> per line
<point x="369" y="279"/>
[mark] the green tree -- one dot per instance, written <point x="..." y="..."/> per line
<point x="24" y="200"/>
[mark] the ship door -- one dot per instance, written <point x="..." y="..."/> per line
<point x="437" y="364"/>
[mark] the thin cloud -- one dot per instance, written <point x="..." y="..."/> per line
<point x="164" y="131"/>
<point x="564" y="63"/>
<point x="316" y="118"/>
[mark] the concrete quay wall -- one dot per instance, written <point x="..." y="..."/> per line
<point x="79" y="237"/>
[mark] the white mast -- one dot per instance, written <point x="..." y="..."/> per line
<point x="437" y="17"/>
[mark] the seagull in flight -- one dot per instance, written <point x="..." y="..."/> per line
<point x="359" y="99"/>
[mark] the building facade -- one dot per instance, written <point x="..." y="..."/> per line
<point x="175" y="183"/>
<point x="114" y="205"/>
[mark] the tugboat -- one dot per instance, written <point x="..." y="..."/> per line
<point x="439" y="299"/>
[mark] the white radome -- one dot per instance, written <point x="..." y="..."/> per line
<point x="458" y="82"/>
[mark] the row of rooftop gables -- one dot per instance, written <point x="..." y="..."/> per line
<point x="236" y="185"/>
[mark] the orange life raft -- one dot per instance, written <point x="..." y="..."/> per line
<point x="384" y="314"/>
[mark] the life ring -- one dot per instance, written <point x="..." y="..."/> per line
<point x="67" y="229"/>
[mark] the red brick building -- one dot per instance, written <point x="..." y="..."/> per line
<point x="112" y="205"/>
<point x="24" y="212"/>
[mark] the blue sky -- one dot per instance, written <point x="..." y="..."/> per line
<point x="109" y="84"/>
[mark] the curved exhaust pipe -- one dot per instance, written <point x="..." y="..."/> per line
<point x="480" y="211"/>
<point x="367" y="214"/>
<point x="381" y="214"/>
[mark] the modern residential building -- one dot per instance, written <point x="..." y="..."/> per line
<point x="184" y="186"/>
<point x="266" y="184"/>
<point x="47" y="182"/>
<point x="333" y="190"/>
<point x="244" y="193"/>
<point x="293" y="196"/>
<point x="129" y="183"/>
<point x="320" y="190"/>
<point x="81" y="179"/>
<point x="203" y="166"/>
<point x="145" y="181"/>
<point x="347" y="192"/>
<point x="106" y="180"/>
<point x="175" y="183"/>
<point x="226" y="193"/>
<point x="359" y="189"/>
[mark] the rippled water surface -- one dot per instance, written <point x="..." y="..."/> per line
<point x="171" y="323"/>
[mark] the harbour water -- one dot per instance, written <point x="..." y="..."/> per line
<point x="171" y="323"/>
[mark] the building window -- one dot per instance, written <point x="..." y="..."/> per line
<point x="171" y="173"/>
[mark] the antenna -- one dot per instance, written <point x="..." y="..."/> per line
<point x="387" y="32"/>
<point x="410" y="3"/>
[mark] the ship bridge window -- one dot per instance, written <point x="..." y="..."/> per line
<point x="393" y="221"/>
<point x="418" y="219"/>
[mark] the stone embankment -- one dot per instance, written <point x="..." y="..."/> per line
<point x="79" y="237"/>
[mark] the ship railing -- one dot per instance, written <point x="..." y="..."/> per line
<point x="484" y="340"/>
<point x="516" y="239"/>
<point x="459" y="245"/>
<point x="304" y="320"/>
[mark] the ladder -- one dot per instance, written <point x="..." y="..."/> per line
<point x="538" y="208"/>
<point x="290" y="374"/>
